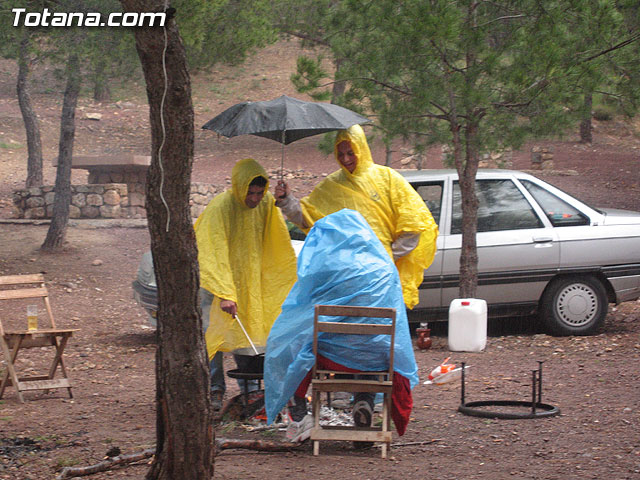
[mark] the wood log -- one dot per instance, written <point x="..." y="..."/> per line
<point x="220" y="444"/>
<point x="107" y="464"/>
<point x="259" y="445"/>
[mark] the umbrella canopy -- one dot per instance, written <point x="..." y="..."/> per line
<point x="283" y="119"/>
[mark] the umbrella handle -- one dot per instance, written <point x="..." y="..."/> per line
<point x="246" y="334"/>
<point x="284" y="134"/>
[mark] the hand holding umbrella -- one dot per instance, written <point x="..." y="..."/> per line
<point x="282" y="190"/>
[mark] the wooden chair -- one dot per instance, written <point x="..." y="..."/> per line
<point x="18" y="288"/>
<point x="323" y="380"/>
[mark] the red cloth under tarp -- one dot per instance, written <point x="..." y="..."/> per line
<point x="401" y="399"/>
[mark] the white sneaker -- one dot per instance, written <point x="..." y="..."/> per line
<point x="298" y="432"/>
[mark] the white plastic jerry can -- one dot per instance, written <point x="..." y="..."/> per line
<point x="467" y="325"/>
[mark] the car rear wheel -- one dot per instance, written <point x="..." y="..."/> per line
<point x="574" y="306"/>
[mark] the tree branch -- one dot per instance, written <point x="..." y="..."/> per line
<point x="506" y="17"/>
<point x="221" y="444"/>
<point x="308" y="37"/>
<point x="383" y="84"/>
<point x="624" y="43"/>
<point x="443" y="57"/>
<point x="107" y="464"/>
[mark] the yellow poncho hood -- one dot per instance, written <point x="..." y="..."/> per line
<point x="386" y="200"/>
<point x="245" y="255"/>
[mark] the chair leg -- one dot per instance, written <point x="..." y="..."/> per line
<point x="315" y="408"/>
<point x="57" y="360"/>
<point x="386" y="421"/>
<point x="11" y="371"/>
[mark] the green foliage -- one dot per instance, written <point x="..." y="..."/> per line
<point x="504" y="71"/>
<point x="105" y="53"/>
<point x="309" y="74"/>
<point x="307" y="20"/>
<point x="212" y="30"/>
<point x="223" y="30"/>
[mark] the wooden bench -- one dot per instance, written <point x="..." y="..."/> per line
<point x="17" y="289"/>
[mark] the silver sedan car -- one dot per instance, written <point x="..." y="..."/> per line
<point x="539" y="250"/>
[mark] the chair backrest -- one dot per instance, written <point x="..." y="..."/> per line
<point x="24" y="287"/>
<point x="352" y="328"/>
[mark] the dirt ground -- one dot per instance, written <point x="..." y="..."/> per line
<point x="592" y="380"/>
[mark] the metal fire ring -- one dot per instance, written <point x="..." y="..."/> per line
<point x="541" y="410"/>
<point x="536" y="409"/>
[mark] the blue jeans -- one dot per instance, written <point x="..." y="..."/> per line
<point x="216" y="369"/>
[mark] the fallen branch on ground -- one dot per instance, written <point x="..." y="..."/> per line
<point x="260" y="445"/>
<point x="220" y="444"/>
<point x="414" y="444"/>
<point x="68" y="472"/>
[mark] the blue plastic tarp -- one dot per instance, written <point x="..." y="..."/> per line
<point x="341" y="263"/>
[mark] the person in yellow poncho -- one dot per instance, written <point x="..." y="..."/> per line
<point x="247" y="267"/>
<point x="393" y="209"/>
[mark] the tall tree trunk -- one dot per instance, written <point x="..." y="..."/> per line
<point x="339" y="86"/>
<point x="586" y="135"/>
<point x="388" y="152"/>
<point x="467" y="176"/>
<point x="101" y="90"/>
<point x="62" y="199"/>
<point x="184" y="416"/>
<point x="469" y="251"/>
<point x="31" y="125"/>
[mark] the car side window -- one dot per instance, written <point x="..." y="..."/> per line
<point x="559" y="212"/>
<point x="431" y="193"/>
<point x="501" y="206"/>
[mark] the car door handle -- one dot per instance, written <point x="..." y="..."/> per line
<point x="542" y="239"/>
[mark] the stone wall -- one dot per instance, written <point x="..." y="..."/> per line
<point x="87" y="201"/>
<point x="201" y="195"/>
<point x="542" y="158"/>
<point x="133" y="177"/>
<point x="109" y="200"/>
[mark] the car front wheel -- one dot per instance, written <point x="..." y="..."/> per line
<point x="574" y="306"/>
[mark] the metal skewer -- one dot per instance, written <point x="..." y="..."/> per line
<point x="246" y="334"/>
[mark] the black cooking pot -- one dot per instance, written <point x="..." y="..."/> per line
<point x="255" y="365"/>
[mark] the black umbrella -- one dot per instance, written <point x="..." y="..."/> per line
<point x="283" y="119"/>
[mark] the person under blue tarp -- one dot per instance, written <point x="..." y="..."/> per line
<point x="341" y="263"/>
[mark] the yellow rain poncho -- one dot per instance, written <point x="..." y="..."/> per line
<point x="245" y="255"/>
<point x="388" y="203"/>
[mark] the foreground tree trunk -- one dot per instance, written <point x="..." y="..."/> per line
<point x="184" y="417"/>
<point x="32" y="128"/>
<point x="62" y="199"/>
